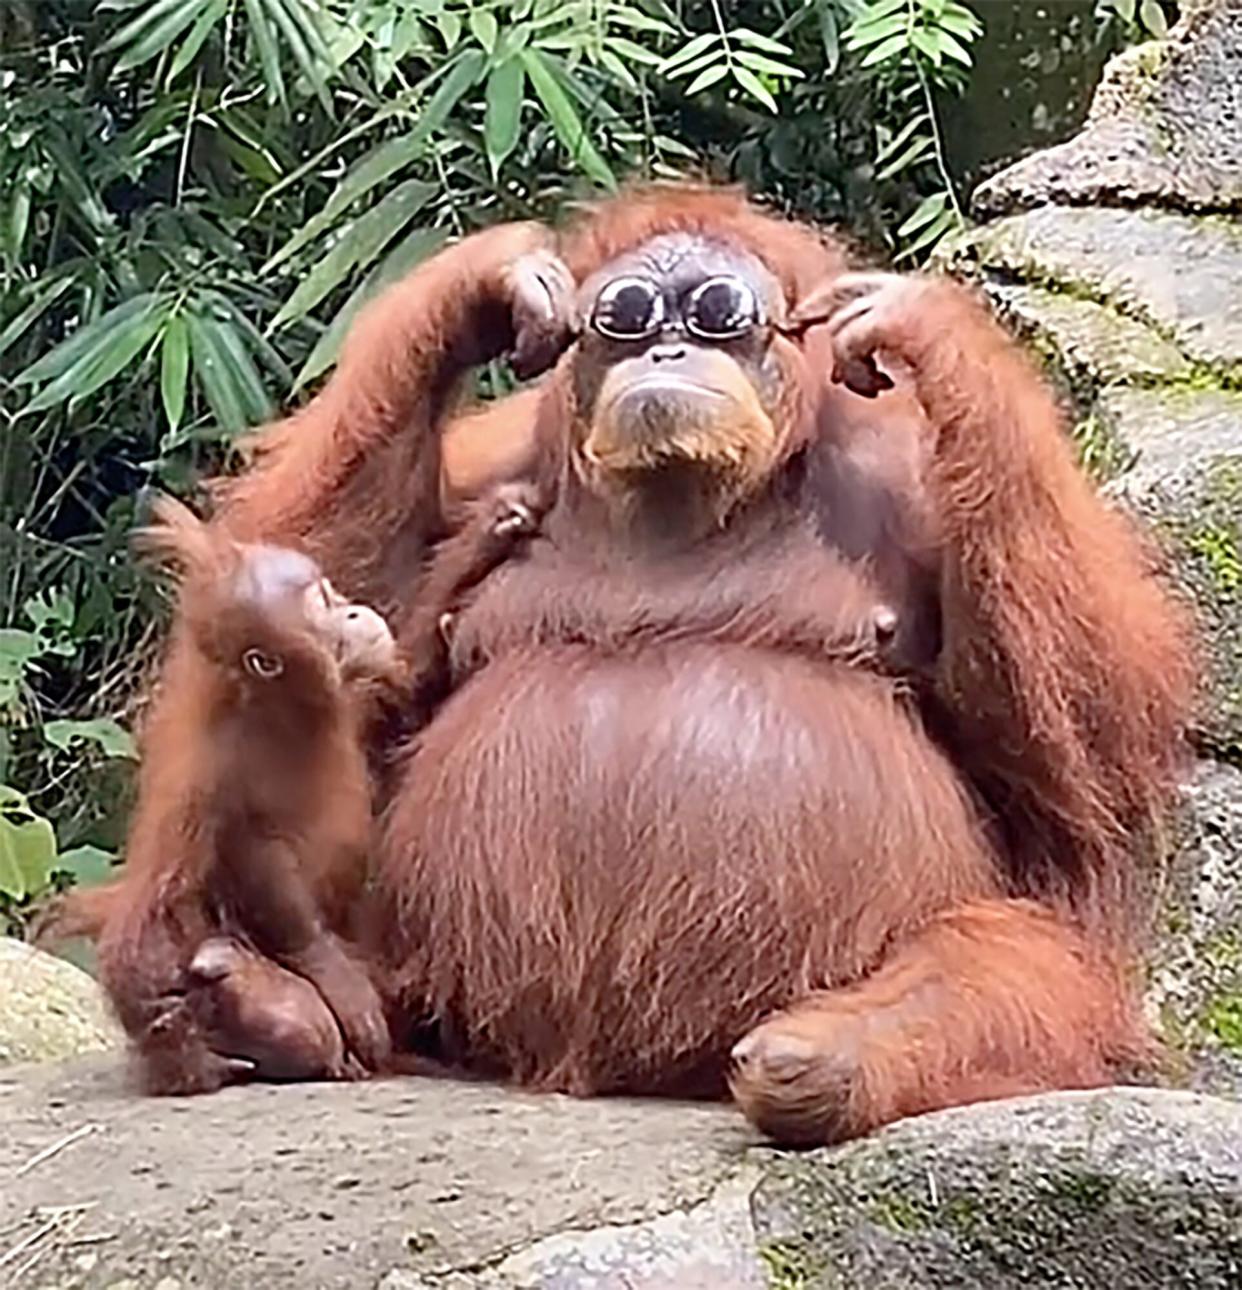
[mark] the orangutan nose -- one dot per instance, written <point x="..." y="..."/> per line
<point x="667" y="353"/>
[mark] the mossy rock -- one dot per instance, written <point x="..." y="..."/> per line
<point x="1186" y="481"/>
<point x="1194" y="991"/>
<point x="1179" y="275"/>
<point x="49" y="1009"/>
<point x="1131" y="1190"/>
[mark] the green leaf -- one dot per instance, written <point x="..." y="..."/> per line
<point x="73" y="180"/>
<point x="900" y="137"/>
<point x="115" y="342"/>
<point x="754" y="86"/>
<point x="464" y="73"/>
<point x="18" y="649"/>
<point x="758" y="41"/>
<point x="950" y="45"/>
<point x="712" y="58"/>
<point x="88" y="866"/>
<point x="926" y="210"/>
<point x="636" y="20"/>
<point x="633" y="51"/>
<point x="927" y="42"/>
<point x="707" y="77"/>
<point x="944" y="223"/>
<point x="915" y="152"/>
<point x="27" y="849"/>
<point x="111" y="739"/>
<point x="565" y="120"/>
<point x="691" y="49"/>
<point x="399" y="261"/>
<point x="256" y="402"/>
<point x="961" y="22"/>
<point x="190" y="46"/>
<point x="269" y="52"/>
<point x="620" y="73"/>
<point x="213" y="374"/>
<point x="484" y="29"/>
<point x="760" y="63"/>
<point x="361" y="242"/>
<point x="450" y="30"/>
<point x="151" y="16"/>
<point x="174" y="369"/>
<point x="1151" y="15"/>
<point x="879" y="8"/>
<point x="830" y="35"/>
<point x="378" y="165"/>
<point x="502" y="119"/>
<point x="18" y="221"/>
<point x="306" y="44"/>
<point x="257" y="343"/>
<point x="157" y="37"/>
<point x="884" y="51"/>
<point x="864" y="34"/>
<point x="16" y="327"/>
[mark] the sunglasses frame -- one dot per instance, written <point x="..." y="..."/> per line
<point x="660" y="314"/>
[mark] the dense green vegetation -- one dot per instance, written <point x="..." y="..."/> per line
<point x="196" y="196"/>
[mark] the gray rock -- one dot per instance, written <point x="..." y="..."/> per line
<point x="338" y="1185"/>
<point x="1134" y="1190"/>
<point x="49" y="1009"/>
<point x="1165" y="128"/>
<point x="1087" y="344"/>
<point x="1179" y="274"/>
<point x="1186" y="481"/>
<point x="411" y="1184"/>
<point x="1195" y="972"/>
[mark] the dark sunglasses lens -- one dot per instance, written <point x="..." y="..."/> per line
<point x="722" y="308"/>
<point x="628" y="309"/>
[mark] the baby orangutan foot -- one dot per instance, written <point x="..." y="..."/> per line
<point x="254" y="1011"/>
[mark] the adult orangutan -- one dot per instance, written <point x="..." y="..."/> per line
<point x="677" y="826"/>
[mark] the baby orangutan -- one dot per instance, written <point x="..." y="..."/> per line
<point x="224" y="945"/>
<point x="254" y="824"/>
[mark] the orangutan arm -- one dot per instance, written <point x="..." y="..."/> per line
<point x="355" y="475"/>
<point x="1065" y="672"/>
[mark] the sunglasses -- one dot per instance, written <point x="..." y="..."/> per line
<point x="635" y="308"/>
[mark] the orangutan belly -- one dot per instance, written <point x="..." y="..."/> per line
<point x="606" y="869"/>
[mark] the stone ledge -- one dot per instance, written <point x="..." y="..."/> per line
<point x="409" y="1184"/>
<point x="1180" y="275"/>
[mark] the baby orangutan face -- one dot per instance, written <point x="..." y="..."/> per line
<point x="291" y="589"/>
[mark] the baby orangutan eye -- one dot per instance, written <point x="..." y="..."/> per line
<point x="264" y="666"/>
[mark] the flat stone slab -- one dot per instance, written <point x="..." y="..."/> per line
<point x="1181" y="275"/>
<point x="411" y="1184"/>
<point x="1165" y="127"/>
<point x="336" y="1185"/>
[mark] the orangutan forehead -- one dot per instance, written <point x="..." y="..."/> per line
<point x="681" y="261"/>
